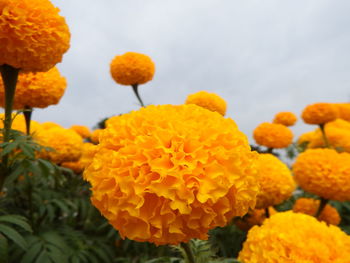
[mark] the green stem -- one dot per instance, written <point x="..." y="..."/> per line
<point x="9" y="76"/>
<point x="269" y="150"/>
<point x="189" y="252"/>
<point x="325" y="139"/>
<point x="27" y="116"/>
<point x="136" y="91"/>
<point x="323" y="203"/>
<point x="267" y="212"/>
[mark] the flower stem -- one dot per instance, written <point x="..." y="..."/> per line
<point x="269" y="150"/>
<point x="189" y="252"/>
<point x="323" y="203"/>
<point x="9" y="76"/>
<point x="267" y="212"/>
<point x="136" y="91"/>
<point x="27" y="116"/>
<point x="325" y="139"/>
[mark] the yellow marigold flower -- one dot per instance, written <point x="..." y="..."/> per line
<point x="275" y="179"/>
<point x="295" y="238"/>
<point x="306" y="137"/>
<point x="343" y="111"/>
<point x="273" y="135"/>
<point x="310" y="206"/>
<point x="67" y="144"/>
<point x="324" y="172"/>
<point x="132" y="68"/>
<point x="167" y="174"/>
<point x="49" y="125"/>
<point x="95" y="135"/>
<point x="319" y="113"/>
<point x="338" y="134"/>
<point x="83" y="131"/>
<point x="76" y="167"/>
<point x="88" y="152"/>
<point x="209" y="101"/>
<point x="254" y="217"/>
<point x="33" y="35"/>
<point x="285" y="118"/>
<point x="37" y="90"/>
<point x="19" y="123"/>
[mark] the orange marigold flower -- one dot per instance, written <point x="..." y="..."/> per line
<point x="294" y="238"/>
<point x="95" y="136"/>
<point x="338" y="134"/>
<point x="19" y="123"/>
<point x="167" y="174"/>
<point x="254" y="217"/>
<point x="275" y="179"/>
<point x="343" y="111"/>
<point x="319" y="113"/>
<point x="285" y="118"/>
<point x="310" y="206"/>
<point x="37" y="90"/>
<point x="76" y="167"/>
<point x="33" y="35"/>
<point x="209" y="101"/>
<point x="132" y="68"/>
<point x="273" y="135"/>
<point x="324" y="172"/>
<point x="88" y="152"/>
<point x="83" y="131"/>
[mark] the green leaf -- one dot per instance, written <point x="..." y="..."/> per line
<point x="8" y="148"/>
<point x="32" y="253"/>
<point x="17" y="220"/>
<point x="3" y="249"/>
<point x="13" y="235"/>
<point x="27" y="150"/>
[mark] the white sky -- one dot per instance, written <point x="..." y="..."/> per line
<point x="261" y="56"/>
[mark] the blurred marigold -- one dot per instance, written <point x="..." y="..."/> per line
<point x="19" y="123"/>
<point x="310" y="206"/>
<point x="83" y="131"/>
<point x="254" y="217"/>
<point x="209" y="101"/>
<point x="37" y="90"/>
<point x="95" y="136"/>
<point x="76" y="167"/>
<point x="88" y="152"/>
<point x="294" y="238"/>
<point x="343" y="111"/>
<point x="275" y="179"/>
<point x="66" y="144"/>
<point x="167" y="174"/>
<point x="132" y="68"/>
<point x="285" y="118"/>
<point x="33" y="35"/>
<point x="273" y="135"/>
<point x="324" y="172"/>
<point x="319" y="113"/>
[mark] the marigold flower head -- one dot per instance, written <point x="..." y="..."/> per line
<point x="88" y="152"/>
<point x="252" y="218"/>
<point x="83" y="131"/>
<point x="343" y="111"/>
<point x="66" y="144"/>
<point x="324" y="172"/>
<point x="294" y="238"/>
<point x="132" y="68"/>
<point x="338" y="134"/>
<point x="167" y="174"/>
<point x="275" y="179"/>
<point x="33" y="35"/>
<point x="37" y="90"/>
<point x="273" y="135"/>
<point x="95" y="136"/>
<point x="285" y="118"/>
<point x="319" y="113"/>
<point x="310" y="206"/>
<point x="19" y="124"/>
<point x="209" y="101"/>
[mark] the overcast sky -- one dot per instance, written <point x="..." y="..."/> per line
<point x="261" y="56"/>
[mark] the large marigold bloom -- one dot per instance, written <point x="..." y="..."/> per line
<point x="273" y="135"/>
<point x="310" y="206"/>
<point x="209" y="101"/>
<point x="82" y="130"/>
<point x="285" y="118"/>
<point x="343" y="111"/>
<point x="167" y="174"/>
<point x="132" y="68"/>
<point x="275" y="179"/>
<point x="33" y="36"/>
<point x="37" y="90"/>
<point x="66" y="144"/>
<point x="319" y="113"/>
<point x="295" y="238"/>
<point x="324" y="172"/>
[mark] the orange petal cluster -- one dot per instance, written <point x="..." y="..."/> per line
<point x="319" y="113"/>
<point x="209" y="101"/>
<point x="33" y="35"/>
<point x="167" y="174"/>
<point x="82" y="130"/>
<point x="273" y="135"/>
<point x="285" y="118"/>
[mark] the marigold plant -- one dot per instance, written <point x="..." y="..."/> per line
<point x="324" y="172"/>
<point x="209" y="101"/>
<point x="167" y="174"/>
<point x="294" y="238"/>
<point x="285" y="118"/>
<point x="273" y="135"/>
<point x="34" y="36"/>
<point x="319" y="113"/>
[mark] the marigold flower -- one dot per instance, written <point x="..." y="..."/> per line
<point x="273" y="135"/>
<point x="37" y="90"/>
<point x="319" y="113"/>
<point x="67" y="144"/>
<point x="76" y="167"/>
<point x="83" y="131"/>
<point x="285" y="118"/>
<point x="33" y="35"/>
<point x="88" y="152"/>
<point x="310" y="206"/>
<point x="254" y="217"/>
<point x="209" y="101"/>
<point x="132" y="68"/>
<point x="19" y="123"/>
<point x="275" y="179"/>
<point x="95" y="136"/>
<point x="343" y="111"/>
<point x="324" y="172"/>
<point x="167" y="174"/>
<point x="294" y="238"/>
